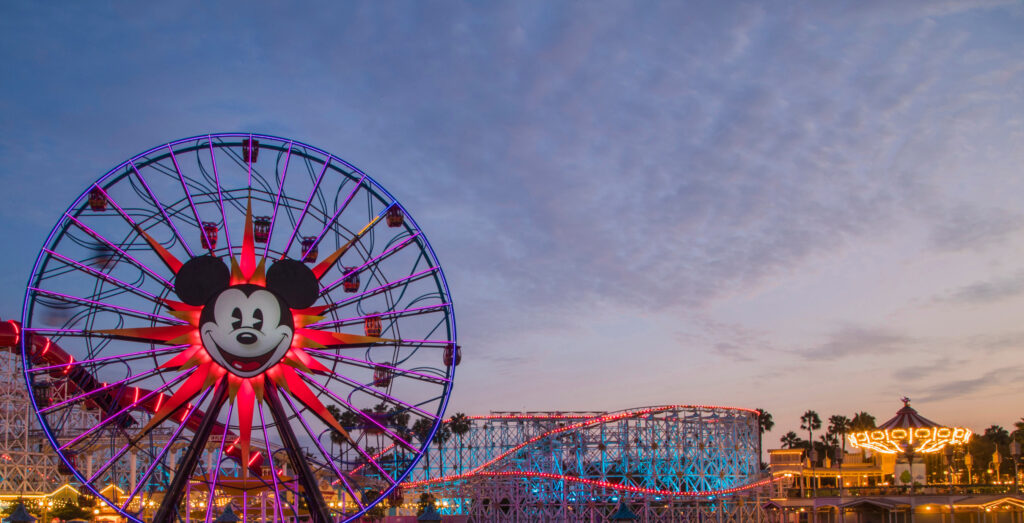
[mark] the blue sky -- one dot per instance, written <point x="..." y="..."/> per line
<point x="809" y="205"/>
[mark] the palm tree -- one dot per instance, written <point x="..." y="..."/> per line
<point x="1018" y="433"/>
<point x="764" y="424"/>
<point x="838" y="426"/>
<point x="810" y="422"/>
<point x="861" y="421"/>
<point x="790" y="440"/>
<point x="460" y="425"/>
<point x="421" y="429"/>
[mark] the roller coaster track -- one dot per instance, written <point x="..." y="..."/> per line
<point x="498" y="467"/>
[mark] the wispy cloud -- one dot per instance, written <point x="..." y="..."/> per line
<point x="987" y="291"/>
<point x="856" y="341"/>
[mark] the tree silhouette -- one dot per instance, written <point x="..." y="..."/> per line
<point x="810" y="422"/>
<point x="790" y="440"/>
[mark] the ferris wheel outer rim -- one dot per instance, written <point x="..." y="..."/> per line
<point x="60" y="225"/>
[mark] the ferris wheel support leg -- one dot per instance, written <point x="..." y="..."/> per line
<point x="318" y="510"/>
<point x="169" y="505"/>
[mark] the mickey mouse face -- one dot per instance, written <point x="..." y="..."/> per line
<point x="246" y="328"/>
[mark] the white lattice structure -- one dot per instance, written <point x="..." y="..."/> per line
<point x="27" y="463"/>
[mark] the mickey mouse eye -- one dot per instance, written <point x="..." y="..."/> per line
<point x="257" y="315"/>
<point x="237" y="316"/>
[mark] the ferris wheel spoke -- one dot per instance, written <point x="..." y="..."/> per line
<point x="176" y="489"/>
<point x="270" y="461"/>
<point x="163" y="452"/>
<point x="109" y="386"/>
<point x="119" y="413"/>
<point x="277" y="200"/>
<point x="380" y="395"/>
<point x="328" y="223"/>
<point x="172" y="263"/>
<point x="191" y="202"/>
<point x="311" y="490"/>
<point x="324" y="453"/>
<point x="117" y="358"/>
<point x="163" y="211"/>
<point x="372" y="261"/>
<point x="397" y="371"/>
<point x="109" y="306"/>
<point x="102" y="275"/>
<point x="404" y="313"/>
<point x="220" y="200"/>
<point x="217" y="464"/>
<point x="305" y="209"/>
<point x="116" y="248"/>
<point x="383" y="288"/>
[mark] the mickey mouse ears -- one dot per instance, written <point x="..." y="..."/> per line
<point x="202" y="277"/>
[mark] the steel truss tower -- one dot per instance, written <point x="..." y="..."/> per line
<point x="667" y="463"/>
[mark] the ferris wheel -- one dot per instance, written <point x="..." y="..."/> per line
<point x="238" y="319"/>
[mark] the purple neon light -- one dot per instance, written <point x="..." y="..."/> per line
<point x="99" y="274"/>
<point x="309" y="200"/>
<point x="59" y="331"/>
<point x="163" y="211"/>
<point x="105" y="387"/>
<point x="220" y="199"/>
<point x="277" y="200"/>
<point x="108" y="306"/>
<point x="122" y="411"/>
<point x="370" y="364"/>
<point x="270" y="460"/>
<point x="119" y="357"/>
<point x="216" y="467"/>
<point x="316" y="440"/>
<point x="250" y="150"/>
<point x="120" y="251"/>
<point x="328" y="223"/>
<point x="393" y="249"/>
<point x="111" y="461"/>
<point x="163" y="451"/>
<point x="120" y="210"/>
<point x="388" y="285"/>
<point x="192" y="204"/>
<point x="382" y="427"/>
<point x="356" y="319"/>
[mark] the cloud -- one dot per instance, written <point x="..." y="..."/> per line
<point x="856" y="341"/>
<point x="917" y="372"/>
<point x="966" y="387"/>
<point x="987" y="291"/>
<point x="966" y="227"/>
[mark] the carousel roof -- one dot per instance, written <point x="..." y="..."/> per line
<point x="908" y="418"/>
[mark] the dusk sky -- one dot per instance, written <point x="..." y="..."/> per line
<point x="785" y="205"/>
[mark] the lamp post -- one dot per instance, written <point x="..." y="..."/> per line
<point x="1015" y="452"/>
<point x="909" y="453"/>
<point x="949" y="452"/>
<point x="969" y="463"/>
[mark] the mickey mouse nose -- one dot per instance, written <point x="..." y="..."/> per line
<point x="246" y="338"/>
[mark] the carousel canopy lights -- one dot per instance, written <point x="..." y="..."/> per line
<point x="909" y="428"/>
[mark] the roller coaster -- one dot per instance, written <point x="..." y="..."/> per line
<point x="664" y="463"/>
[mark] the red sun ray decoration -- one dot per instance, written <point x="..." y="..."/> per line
<point x="243" y="391"/>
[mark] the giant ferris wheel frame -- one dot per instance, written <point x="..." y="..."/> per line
<point x="100" y="309"/>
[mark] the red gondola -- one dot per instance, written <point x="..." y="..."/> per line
<point x="261" y="228"/>
<point x="381" y="376"/>
<point x="452" y="355"/>
<point x="97" y="200"/>
<point x="372" y="326"/>
<point x="209" y="239"/>
<point x="309" y="249"/>
<point x="248" y="146"/>
<point x="351" y="282"/>
<point x="395" y="217"/>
